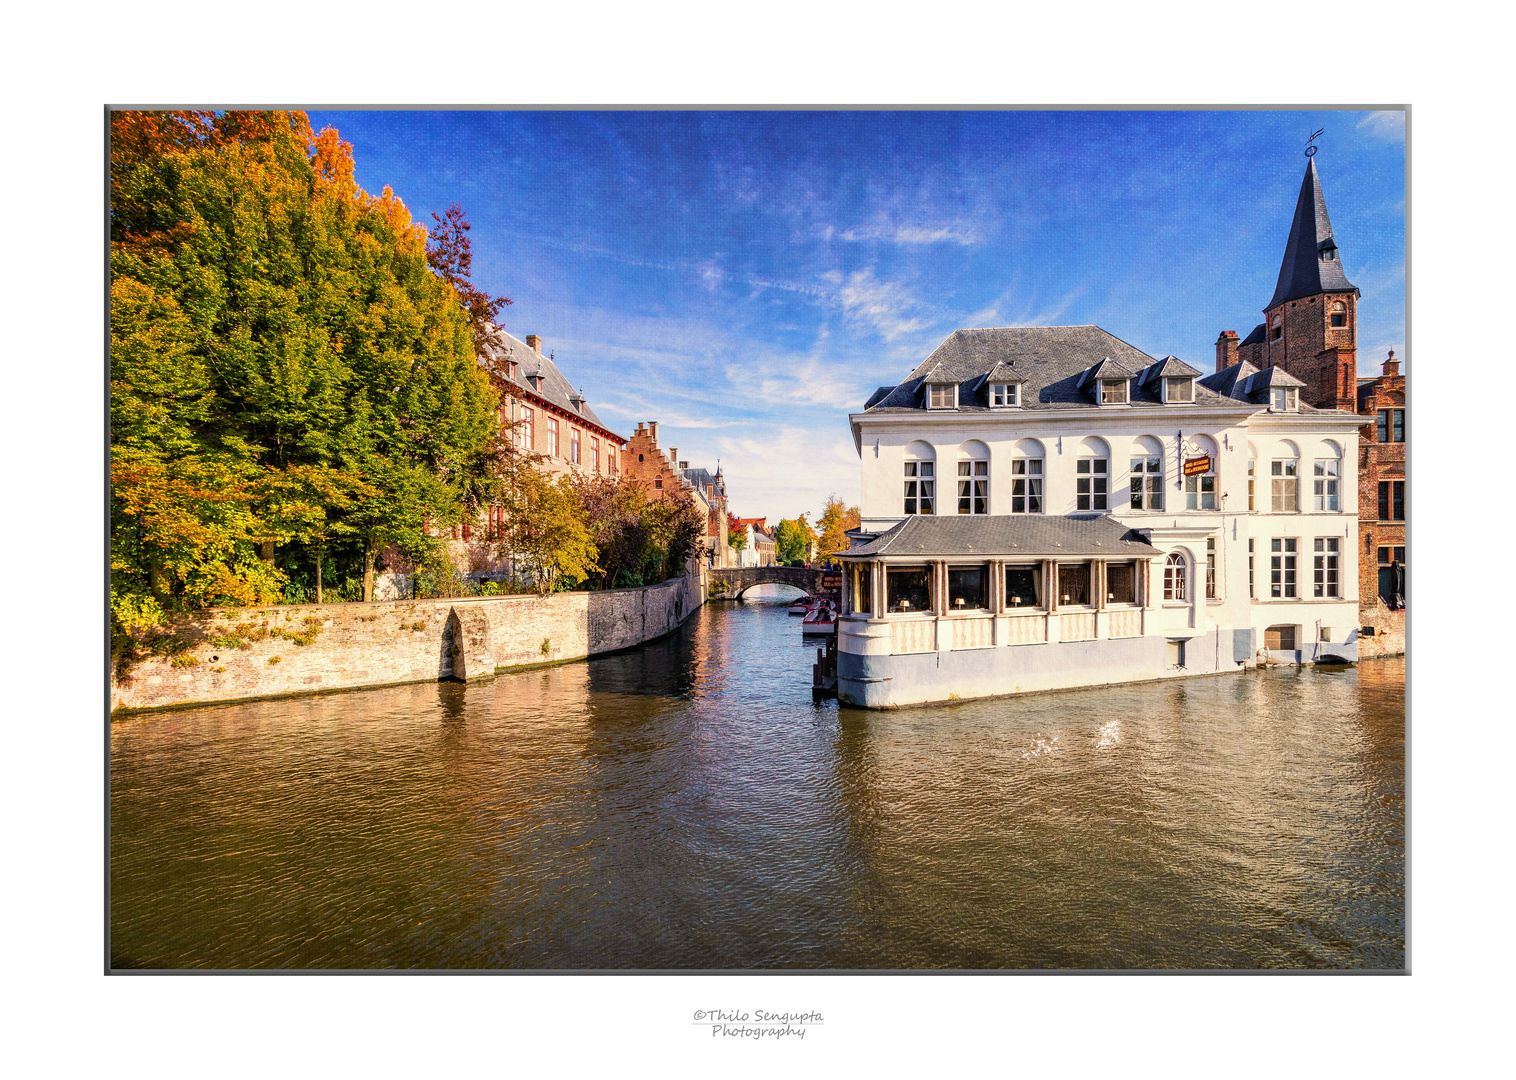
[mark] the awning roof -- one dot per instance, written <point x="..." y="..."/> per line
<point x="1031" y="535"/>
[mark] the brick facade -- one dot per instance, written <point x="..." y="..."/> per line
<point x="1310" y="348"/>
<point x="1382" y="461"/>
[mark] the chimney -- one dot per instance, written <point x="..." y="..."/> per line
<point x="684" y="464"/>
<point x="1226" y="350"/>
<point x="1391" y="366"/>
<point x="534" y="343"/>
<point x="674" y="458"/>
<point x="652" y="432"/>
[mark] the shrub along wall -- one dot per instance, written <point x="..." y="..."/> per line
<point x="230" y="654"/>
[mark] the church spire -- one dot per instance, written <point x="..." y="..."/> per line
<point x="1311" y="263"/>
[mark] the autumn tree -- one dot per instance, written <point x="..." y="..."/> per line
<point x="450" y="254"/>
<point x="287" y="371"/>
<point x="546" y="535"/>
<point x="836" y="519"/>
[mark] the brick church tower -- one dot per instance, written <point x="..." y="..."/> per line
<point x="1310" y="327"/>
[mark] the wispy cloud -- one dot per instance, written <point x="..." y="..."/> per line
<point x="887" y="232"/>
<point x="882" y="305"/>
<point x="788" y="472"/>
<point x="1012" y="308"/>
<point x="1386" y="126"/>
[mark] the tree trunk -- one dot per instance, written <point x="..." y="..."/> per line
<point x="155" y="576"/>
<point x="320" y="554"/>
<point x="370" y="556"/>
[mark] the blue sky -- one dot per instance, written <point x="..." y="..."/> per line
<point x="747" y="279"/>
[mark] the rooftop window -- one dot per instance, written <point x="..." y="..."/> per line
<point x="1284" y="399"/>
<point x="942" y="396"/>
<point x="1181" y="388"/>
<point x="1113" y="392"/>
<point x="1004" y="395"/>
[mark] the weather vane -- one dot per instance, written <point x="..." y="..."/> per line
<point x="1310" y="150"/>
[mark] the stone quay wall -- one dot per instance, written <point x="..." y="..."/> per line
<point x="240" y="653"/>
<point x="1388" y="638"/>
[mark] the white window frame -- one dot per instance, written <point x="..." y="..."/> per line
<point x="1211" y="592"/>
<point x="1108" y="384"/>
<point x="945" y="389"/>
<point x="1175" y="573"/>
<point x="1005" y="395"/>
<point x="1327" y="485"/>
<point x="1284" y="399"/>
<point x="1326" y="571"/>
<point x="1252" y="483"/>
<point x="1284" y="481"/>
<point x="1284" y="568"/>
<point x="920" y="488"/>
<point x="1092" y="484"/>
<point x="1196" y="493"/>
<point x="1185" y="381"/>
<point x="974" y="485"/>
<point x="1147" y="483"/>
<point x="1028" y="482"/>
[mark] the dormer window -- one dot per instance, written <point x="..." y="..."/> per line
<point x="1113" y="392"/>
<point x="1004" y="395"/>
<point x="1180" y="388"/>
<point x="1284" y="399"/>
<point x="942" y="396"/>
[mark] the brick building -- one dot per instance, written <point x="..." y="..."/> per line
<point x="1382" y="495"/>
<point x="658" y="471"/>
<point x="1310" y="331"/>
<point x="1310" y="326"/>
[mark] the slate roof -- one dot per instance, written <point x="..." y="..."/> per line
<point x="554" y="387"/>
<point x="1304" y="272"/>
<point x="1255" y="337"/>
<point x="1007" y="534"/>
<point x="701" y="477"/>
<point x="1004" y="373"/>
<point x="1244" y="382"/>
<point x="1170" y="367"/>
<point x="1052" y="360"/>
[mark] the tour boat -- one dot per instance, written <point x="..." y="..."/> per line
<point x="801" y="605"/>
<point x="822" y="620"/>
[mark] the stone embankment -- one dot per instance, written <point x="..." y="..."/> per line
<point x="1388" y="638"/>
<point x="232" y="654"/>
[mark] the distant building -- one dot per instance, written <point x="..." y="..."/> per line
<point x="658" y="471"/>
<point x="759" y="549"/>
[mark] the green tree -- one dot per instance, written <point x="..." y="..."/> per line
<point x="793" y="539"/>
<point x="287" y="371"/>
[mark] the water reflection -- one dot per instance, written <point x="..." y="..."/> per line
<point x="689" y="805"/>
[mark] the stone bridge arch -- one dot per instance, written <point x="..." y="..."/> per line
<point x="742" y="578"/>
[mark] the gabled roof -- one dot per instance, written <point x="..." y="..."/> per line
<point x="1106" y="369"/>
<point x="938" y="375"/>
<point x="1304" y="272"/>
<point x="553" y="388"/>
<point x="1225" y="381"/>
<point x="1004" y="373"/>
<point x="1169" y="367"/>
<point x="1256" y="336"/>
<point x="1031" y="535"/>
<point x="1244" y="382"/>
<point x="1270" y="377"/>
<point x="1050" y="359"/>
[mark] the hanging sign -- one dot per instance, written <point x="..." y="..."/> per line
<point x="1196" y="465"/>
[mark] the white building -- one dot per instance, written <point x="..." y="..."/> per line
<point x="1047" y="507"/>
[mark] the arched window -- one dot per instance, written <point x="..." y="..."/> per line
<point x="973" y="478"/>
<point x="1200" y="488"/>
<point x="1026" y="477"/>
<point x="1147" y="474"/>
<point x="1092" y="475"/>
<point x="1173" y="577"/>
<point x="920" y="478"/>
<point x="1283" y="478"/>
<point x="1326" y="478"/>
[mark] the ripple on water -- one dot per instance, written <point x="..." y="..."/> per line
<point x="690" y="805"/>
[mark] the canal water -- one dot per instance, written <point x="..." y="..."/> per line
<point x="688" y="805"/>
